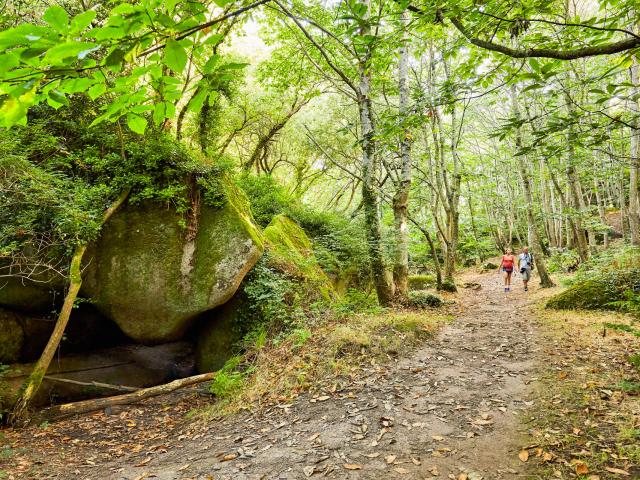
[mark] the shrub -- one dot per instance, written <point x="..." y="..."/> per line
<point x="421" y="282"/>
<point x="563" y="261"/>
<point x="448" y="286"/>
<point x="424" y="300"/>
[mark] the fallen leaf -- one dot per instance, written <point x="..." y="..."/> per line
<point x="437" y="438"/>
<point x="313" y="437"/>
<point x="523" y="455"/>
<point x="434" y="471"/>
<point x="462" y="476"/>
<point x="581" y="468"/>
<point x="352" y="466"/>
<point x="401" y="471"/>
<point x="143" y="462"/>
<point x="229" y="457"/>
<point x="390" y="459"/>
<point x="308" y="470"/>
<point x="619" y="471"/>
<point x="416" y="461"/>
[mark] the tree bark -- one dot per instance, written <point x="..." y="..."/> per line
<point x="369" y="176"/>
<point x="33" y="382"/>
<point x="401" y="197"/>
<point x="532" y="230"/>
<point x="634" y="170"/>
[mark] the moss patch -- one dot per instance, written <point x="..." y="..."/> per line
<point x="291" y="252"/>
<point x="153" y="282"/>
<point x="598" y="292"/>
<point x="421" y="282"/>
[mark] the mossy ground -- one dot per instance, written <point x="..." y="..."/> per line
<point x="585" y="420"/>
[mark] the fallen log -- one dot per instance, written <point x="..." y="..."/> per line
<point x="121" y="388"/>
<point x="85" y="406"/>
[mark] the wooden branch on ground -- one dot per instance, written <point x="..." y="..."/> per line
<point x="85" y="406"/>
<point x="122" y="388"/>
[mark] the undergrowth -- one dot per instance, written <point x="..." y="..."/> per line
<point x="343" y="339"/>
<point x="586" y="416"/>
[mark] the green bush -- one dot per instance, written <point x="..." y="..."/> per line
<point x="421" y="282"/>
<point x="563" y="261"/>
<point x="424" y="300"/>
<point x="448" y="286"/>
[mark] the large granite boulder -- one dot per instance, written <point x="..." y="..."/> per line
<point x="289" y="254"/>
<point x="153" y="276"/>
<point x="11" y="337"/>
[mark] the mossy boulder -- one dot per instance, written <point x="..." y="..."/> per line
<point x="490" y="266"/>
<point x="598" y="292"/>
<point x="11" y="337"/>
<point x="153" y="276"/>
<point x="289" y="256"/>
<point x="218" y="334"/>
<point x="291" y="252"/>
<point x="421" y="282"/>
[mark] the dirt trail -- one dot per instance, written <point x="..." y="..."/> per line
<point x="452" y="407"/>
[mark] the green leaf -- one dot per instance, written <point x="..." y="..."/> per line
<point x="97" y="90"/>
<point x="175" y="56"/>
<point x="222" y="3"/>
<point x="82" y="21"/>
<point x="158" y="113"/>
<point x="57" y="99"/>
<point x="171" y="5"/>
<point x="56" y="17"/>
<point x="136" y="123"/>
<point x="69" y="49"/>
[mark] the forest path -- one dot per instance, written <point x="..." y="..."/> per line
<point x="451" y="408"/>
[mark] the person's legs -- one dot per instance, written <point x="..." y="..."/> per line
<point x="508" y="281"/>
<point x="525" y="279"/>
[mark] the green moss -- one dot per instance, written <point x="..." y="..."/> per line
<point x="598" y="292"/>
<point x="448" y="286"/>
<point x="291" y="251"/>
<point x="11" y="337"/>
<point x="423" y="300"/>
<point x="25" y="295"/>
<point x="421" y="282"/>
<point x="144" y="274"/>
<point x="218" y="335"/>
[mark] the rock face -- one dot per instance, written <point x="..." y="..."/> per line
<point x="28" y="296"/>
<point x="152" y="277"/>
<point x="290" y="252"/>
<point x="135" y="366"/>
<point x="596" y="293"/>
<point x="11" y="337"/>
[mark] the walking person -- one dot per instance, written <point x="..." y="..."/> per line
<point x="506" y="264"/>
<point x="525" y="263"/>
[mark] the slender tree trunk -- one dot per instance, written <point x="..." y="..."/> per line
<point x="33" y="382"/>
<point x="601" y="212"/>
<point x="634" y="170"/>
<point x="401" y="197"/>
<point x="369" y="178"/>
<point x="533" y="236"/>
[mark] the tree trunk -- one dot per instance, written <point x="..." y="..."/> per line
<point x="634" y="170"/>
<point x="533" y="236"/>
<point x="401" y="197"/>
<point x="60" y="411"/>
<point x="33" y="382"/>
<point x="369" y="179"/>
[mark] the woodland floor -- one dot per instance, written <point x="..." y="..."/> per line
<point x="458" y="407"/>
